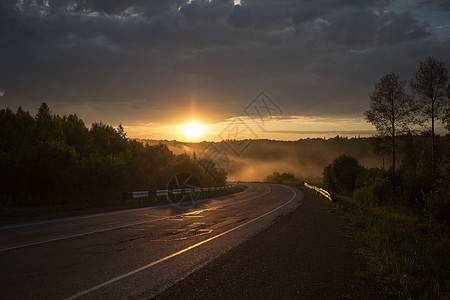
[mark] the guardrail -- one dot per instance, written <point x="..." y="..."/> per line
<point x="147" y="194"/>
<point x="321" y="191"/>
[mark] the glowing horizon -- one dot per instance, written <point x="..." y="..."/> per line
<point x="282" y="128"/>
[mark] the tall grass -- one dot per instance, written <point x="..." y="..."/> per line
<point x="409" y="254"/>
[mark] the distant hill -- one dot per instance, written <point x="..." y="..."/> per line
<point x="255" y="159"/>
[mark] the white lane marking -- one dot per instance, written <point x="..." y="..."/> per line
<point x="78" y="218"/>
<point x="82" y="293"/>
<point x="57" y="220"/>
<point x="121" y="226"/>
<point x="82" y="234"/>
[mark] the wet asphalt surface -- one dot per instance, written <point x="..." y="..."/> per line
<point x="138" y="253"/>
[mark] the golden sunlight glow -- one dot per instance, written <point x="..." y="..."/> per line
<point x="193" y="130"/>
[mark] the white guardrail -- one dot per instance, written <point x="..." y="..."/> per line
<point x="147" y="194"/>
<point x="321" y="191"/>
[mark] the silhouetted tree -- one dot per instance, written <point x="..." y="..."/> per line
<point x="446" y="118"/>
<point x="43" y="112"/>
<point x="430" y="85"/>
<point x="391" y="110"/>
<point x="76" y="134"/>
<point x="340" y="176"/>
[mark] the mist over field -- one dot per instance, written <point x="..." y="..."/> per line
<point x="304" y="158"/>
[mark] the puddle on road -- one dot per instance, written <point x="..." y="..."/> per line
<point x="192" y="230"/>
<point x="199" y="233"/>
<point x="193" y="214"/>
<point x="191" y="233"/>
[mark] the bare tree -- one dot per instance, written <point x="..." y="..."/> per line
<point x="430" y="86"/>
<point x="391" y="110"/>
<point x="446" y="118"/>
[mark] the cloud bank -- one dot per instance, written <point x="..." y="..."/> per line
<point x="137" y="61"/>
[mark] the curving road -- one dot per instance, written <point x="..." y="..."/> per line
<point x="133" y="253"/>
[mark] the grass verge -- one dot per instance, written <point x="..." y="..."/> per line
<point x="409" y="256"/>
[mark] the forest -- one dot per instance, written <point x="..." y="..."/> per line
<point x="49" y="160"/>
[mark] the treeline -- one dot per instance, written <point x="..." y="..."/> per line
<point x="422" y="181"/>
<point x="285" y="178"/>
<point x="47" y="160"/>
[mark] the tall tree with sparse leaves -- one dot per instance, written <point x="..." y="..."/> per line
<point x="430" y="86"/>
<point x="446" y="118"/>
<point x="391" y="109"/>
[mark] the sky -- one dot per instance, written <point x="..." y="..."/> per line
<point x="277" y="69"/>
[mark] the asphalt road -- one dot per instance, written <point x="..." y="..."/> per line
<point x="133" y="254"/>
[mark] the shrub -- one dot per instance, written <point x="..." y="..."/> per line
<point x="373" y="186"/>
<point x="276" y="177"/>
<point x="437" y="202"/>
<point x="340" y="176"/>
<point x="417" y="174"/>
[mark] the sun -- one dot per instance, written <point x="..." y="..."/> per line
<point x="193" y="129"/>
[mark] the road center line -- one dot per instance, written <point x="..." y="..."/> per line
<point x="82" y="293"/>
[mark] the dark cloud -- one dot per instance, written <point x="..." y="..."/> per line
<point x="313" y="56"/>
<point x="435" y="4"/>
<point x="368" y="28"/>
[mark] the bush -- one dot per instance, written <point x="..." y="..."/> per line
<point x="276" y="177"/>
<point x="417" y="174"/>
<point x="373" y="186"/>
<point x="340" y="176"/>
<point x="437" y="202"/>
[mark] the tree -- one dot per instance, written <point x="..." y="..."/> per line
<point x="446" y="118"/>
<point x="340" y="176"/>
<point x="430" y="85"/>
<point x="391" y="110"/>
<point x="76" y="134"/>
<point x="44" y="112"/>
